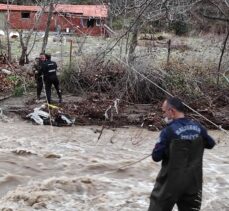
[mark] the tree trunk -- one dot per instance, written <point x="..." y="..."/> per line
<point x="110" y="16"/>
<point x="221" y="57"/>
<point x="8" y="43"/>
<point x="23" y="58"/>
<point x="45" y="40"/>
<point x="133" y="42"/>
<point x="23" y="49"/>
<point x="7" y="33"/>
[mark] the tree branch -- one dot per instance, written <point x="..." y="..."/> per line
<point x="217" y="7"/>
<point x="221" y="56"/>
<point x="216" y="18"/>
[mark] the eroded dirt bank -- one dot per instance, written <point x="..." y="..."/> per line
<point x="92" y="108"/>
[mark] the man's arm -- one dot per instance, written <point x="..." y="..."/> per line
<point x="161" y="147"/>
<point x="43" y="71"/>
<point x="54" y="65"/>
<point x="208" y="140"/>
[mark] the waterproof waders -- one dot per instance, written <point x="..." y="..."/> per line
<point x="180" y="178"/>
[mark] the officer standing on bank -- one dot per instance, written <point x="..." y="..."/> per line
<point x="38" y="74"/>
<point x="48" y="70"/>
<point x="180" y="148"/>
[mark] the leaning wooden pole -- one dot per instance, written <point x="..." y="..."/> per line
<point x="221" y="56"/>
<point x="169" y="51"/>
<point x="70" y="56"/>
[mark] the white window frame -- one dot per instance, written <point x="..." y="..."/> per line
<point x="83" y="22"/>
<point x="98" y="23"/>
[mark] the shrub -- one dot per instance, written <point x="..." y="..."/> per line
<point x="190" y="82"/>
<point x="110" y="78"/>
<point x="117" y="24"/>
<point x="18" y="87"/>
<point x="18" y="91"/>
<point x="180" y="27"/>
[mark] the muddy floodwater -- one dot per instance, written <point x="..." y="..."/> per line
<point x="70" y="169"/>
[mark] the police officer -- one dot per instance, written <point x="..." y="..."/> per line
<point x="48" y="70"/>
<point x="38" y="74"/>
<point x="180" y="148"/>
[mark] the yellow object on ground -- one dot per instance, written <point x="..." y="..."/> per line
<point x="52" y="106"/>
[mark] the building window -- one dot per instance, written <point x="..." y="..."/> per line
<point x="25" y="15"/>
<point x="83" y="22"/>
<point x="88" y="22"/>
<point x="98" y="22"/>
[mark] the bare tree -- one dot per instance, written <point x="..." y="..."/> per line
<point x="45" y="39"/>
<point x="219" y="11"/>
<point x="24" y="41"/>
<point x="7" y="32"/>
<point x="133" y="41"/>
<point x="146" y="11"/>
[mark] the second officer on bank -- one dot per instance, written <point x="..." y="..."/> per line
<point x="48" y="70"/>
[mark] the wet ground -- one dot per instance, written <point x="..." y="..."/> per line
<point x="80" y="168"/>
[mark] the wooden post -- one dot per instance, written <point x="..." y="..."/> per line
<point x="169" y="49"/>
<point x="70" y="58"/>
<point x="221" y="57"/>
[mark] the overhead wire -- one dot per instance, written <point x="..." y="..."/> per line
<point x="162" y="89"/>
<point x="168" y="93"/>
<point x="165" y="91"/>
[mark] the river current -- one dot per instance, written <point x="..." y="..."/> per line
<point x="81" y="169"/>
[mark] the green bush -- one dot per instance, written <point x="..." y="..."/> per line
<point x="13" y="78"/>
<point x="18" y="87"/>
<point x="117" y="24"/>
<point x="18" y="91"/>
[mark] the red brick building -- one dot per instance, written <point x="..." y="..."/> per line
<point x="80" y="19"/>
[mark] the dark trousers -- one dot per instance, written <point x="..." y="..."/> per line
<point x="187" y="202"/>
<point x="39" y="86"/>
<point x="49" y="81"/>
<point x="180" y="178"/>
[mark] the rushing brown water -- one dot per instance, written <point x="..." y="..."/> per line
<point x="69" y="169"/>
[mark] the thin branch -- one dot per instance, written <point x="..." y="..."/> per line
<point x="218" y="8"/>
<point x="100" y="133"/>
<point x="216" y="18"/>
<point x="34" y="41"/>
<point x="226" y="2"/>
<point x="130" y="27"/>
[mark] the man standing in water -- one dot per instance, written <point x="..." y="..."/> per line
<point x="180" y="148"/>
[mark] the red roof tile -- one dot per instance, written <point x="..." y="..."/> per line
<point x="85" y="10"/>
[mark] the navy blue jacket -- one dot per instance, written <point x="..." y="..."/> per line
<point x="182" y="129"/>
<point x="48" y="68"/>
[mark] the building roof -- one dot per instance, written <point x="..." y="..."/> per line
<point x="82" y="10"/>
